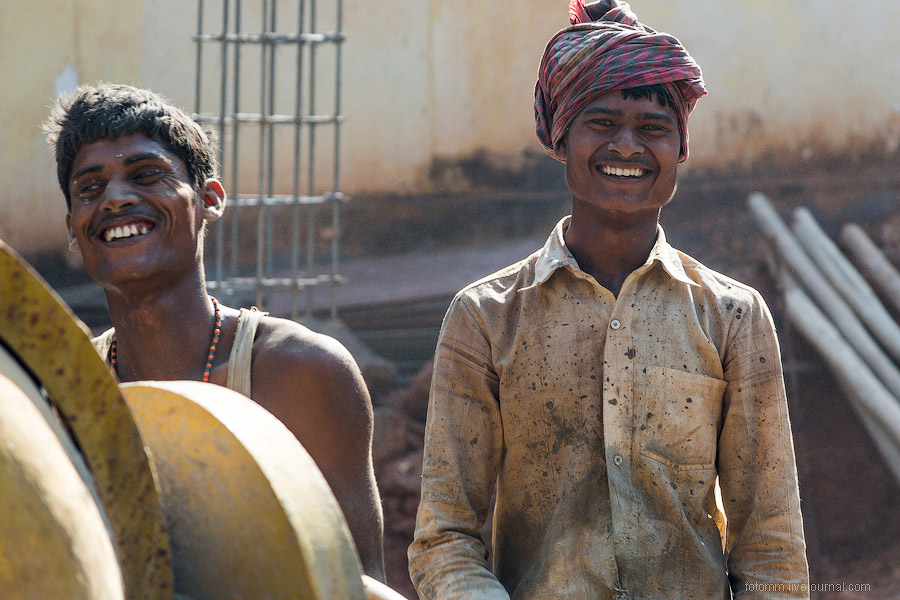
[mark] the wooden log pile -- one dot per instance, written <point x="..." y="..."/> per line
<point x="836" y="309"/>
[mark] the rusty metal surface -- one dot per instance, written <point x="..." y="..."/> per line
<point x="49" y="340"/>
<point x="53" y="543"/>
<point x="250" y="515"/>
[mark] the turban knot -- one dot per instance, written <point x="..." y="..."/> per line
<point x="606" y="49"/>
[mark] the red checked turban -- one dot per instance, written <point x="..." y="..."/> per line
<point x="606" y="49"/>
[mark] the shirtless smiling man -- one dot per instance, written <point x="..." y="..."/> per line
<point x="140" y="181"/>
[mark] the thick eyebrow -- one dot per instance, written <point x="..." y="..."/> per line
<point x="128" y="161"/>
<point x="614" y="112"/>
<point x="85" y="171"/>
<point x="147" y="156"/>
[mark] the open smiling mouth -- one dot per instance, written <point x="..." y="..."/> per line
<point x="130" y="230"/>
<point x="623" y="173"/>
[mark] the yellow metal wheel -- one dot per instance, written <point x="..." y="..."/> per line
<point x="249" y="514"/>
<point x="46" y="338"/>
<point x="53" y="542"/>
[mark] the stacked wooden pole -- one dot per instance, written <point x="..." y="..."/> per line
<point x="847" y="324"/>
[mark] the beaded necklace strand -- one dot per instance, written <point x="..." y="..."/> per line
<point x="212" y="345"/>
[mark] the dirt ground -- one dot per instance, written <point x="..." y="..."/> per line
<point x="850" y="500"/>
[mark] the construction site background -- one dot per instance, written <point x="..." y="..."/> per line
<point x="448" y="182"/>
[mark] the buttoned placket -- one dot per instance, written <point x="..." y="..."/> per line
<point x="618" y="410"/>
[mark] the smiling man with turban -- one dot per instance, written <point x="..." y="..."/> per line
<point x="607" y="385"/>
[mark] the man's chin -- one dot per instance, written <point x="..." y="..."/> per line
<point x="115" y="277"/>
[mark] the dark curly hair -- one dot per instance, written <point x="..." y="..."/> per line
<point x="108" y="111"/>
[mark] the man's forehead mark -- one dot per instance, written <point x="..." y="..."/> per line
<point x="149" y="155"/>
<point x="615" y="112"/>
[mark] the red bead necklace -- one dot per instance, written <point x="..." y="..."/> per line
<point x="212" y="345"/>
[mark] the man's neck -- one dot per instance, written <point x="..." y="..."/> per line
<point x="609" y="247"/>
<point x="163" y="335"/>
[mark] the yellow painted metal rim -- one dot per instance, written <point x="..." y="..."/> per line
<point x="250" y="515"/>
<point x="49" y="340"/>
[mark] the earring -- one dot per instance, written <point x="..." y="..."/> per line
<point x="73" y="244"/>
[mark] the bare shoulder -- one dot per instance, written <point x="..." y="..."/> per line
<point x="296" y="369"/>
<point x="282" y="342"/>
<point x="278" y="338"/>
<point x="313" y="385"/>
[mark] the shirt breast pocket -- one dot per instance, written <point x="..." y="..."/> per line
<point x="679" y="418"/>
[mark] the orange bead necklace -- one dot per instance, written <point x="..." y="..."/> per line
<point x="210" y="355"/>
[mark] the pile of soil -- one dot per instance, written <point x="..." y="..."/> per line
<point x="397" y="452"/>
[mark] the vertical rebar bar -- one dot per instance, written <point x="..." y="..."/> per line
<point x="335" y="185"/>
<point x="311" y="160"/>
<point x="235" y="139"/>
<point x="223" y="100"/>
<point x="198" y="75"/>
<point x="261" y="181"/>
<point x="270" y="149"/>
<point x="298" y="139"/>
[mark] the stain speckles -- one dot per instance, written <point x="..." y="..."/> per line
<point x="613" y="401"/>
<point x="630" y="354"/>
<point x="474" y="440"/>
<point x="762" y="359"/>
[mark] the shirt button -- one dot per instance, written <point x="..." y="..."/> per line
<point x="615" y="324"/>
<point x="618" y="460"/>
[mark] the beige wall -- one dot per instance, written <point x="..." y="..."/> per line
<point x="426" y="79"/>
<point x="49" y="46"/>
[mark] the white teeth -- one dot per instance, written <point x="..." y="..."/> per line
<point x="619" y="172"/>
<point x="126" y="231"/>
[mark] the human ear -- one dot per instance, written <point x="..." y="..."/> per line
<point x="73" y="241"/>
<point x="213" y="200"/>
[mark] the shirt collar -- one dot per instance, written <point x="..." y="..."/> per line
<point x="555" y="255"/>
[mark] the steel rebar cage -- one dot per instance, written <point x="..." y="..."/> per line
<point x="261" y="90"/>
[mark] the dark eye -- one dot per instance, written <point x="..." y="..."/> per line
<point x="88" y="190"/>
<point x="148" y="174"/>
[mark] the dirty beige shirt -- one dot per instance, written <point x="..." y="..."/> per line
<point x="604" y="422"/>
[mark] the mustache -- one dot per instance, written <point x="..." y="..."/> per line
<point x="134" y="213"/>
